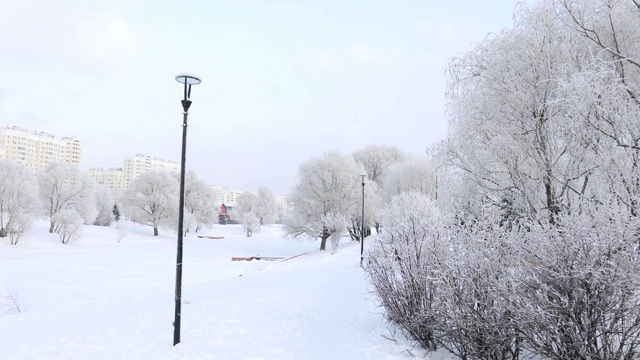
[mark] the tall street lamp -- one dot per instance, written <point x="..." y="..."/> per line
<point x="187" y="80"/>
<point x="363" y="175"/>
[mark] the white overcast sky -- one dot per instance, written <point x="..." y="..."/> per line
<point x="282" y="81"/>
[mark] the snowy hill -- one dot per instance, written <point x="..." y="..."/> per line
<point x="100" y="299"/>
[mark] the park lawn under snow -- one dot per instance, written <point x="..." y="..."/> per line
<point x="96" y="298"/>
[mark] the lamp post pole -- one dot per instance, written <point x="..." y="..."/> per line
<point x="187" y="80"/>
<point x="362" y="223"/>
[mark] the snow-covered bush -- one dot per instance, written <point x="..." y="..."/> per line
<point x="444" y="285"/>
<point x="579" y="296"/>
<point x="403" y="264"/>
<point x="474" y="315"/>
<point x="20" y="223"/>
<point x="13" y="301"/>
<point x="122" y="229"/>
<point x="69" y="225"/>
<point x="485" y="290"/>
<point x="250" y="223"/>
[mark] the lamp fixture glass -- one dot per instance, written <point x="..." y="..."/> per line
<point x="188" y="79"/>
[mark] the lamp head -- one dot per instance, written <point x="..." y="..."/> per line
<point x="188" y="79"/>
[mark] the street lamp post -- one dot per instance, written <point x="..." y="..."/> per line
<point x="187" y="80"/>
<point x="363" y="175"/>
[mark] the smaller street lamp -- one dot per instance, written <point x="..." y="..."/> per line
<point x="363" y="176"/>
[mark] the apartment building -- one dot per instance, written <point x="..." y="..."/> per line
<point x="281" y="201"/>
<point x="113" y="177"/>
<point x="229" y="197"/>
<point x="132" y="167"/>
<point x="36" y="150"/>
<point x="135" y="165"/>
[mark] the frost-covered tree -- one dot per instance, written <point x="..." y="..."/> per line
<point x="336" y="225"/>
<point x="263" y="205"/>
<point x="604" y="94"/>
<point x="104" y="204"/>
<point x="68" y="225"/>
<point x="20" y="223"/>
<point x="152" y="199"/>
<point x="267" y="206"/>
<point x="247" y="202"/>
<point x="411" y="175"/>
<point x="510" y="131"/>
<point x="200" y="199"/>
<point x="63" y="186"/>
<point x="19" y="203"/>
<point x="544" y="115"/>
<point x="371" y="211"/>
<point x="378" y="159"/>
<point x="250" y="223"/>
<point x="116" y="212"/>
<point x="326" y="185"/>
<point x="283" y="210"/>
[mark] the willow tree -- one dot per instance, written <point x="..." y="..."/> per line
<point x="605" y="94"/>
<point x="510" y="133"/>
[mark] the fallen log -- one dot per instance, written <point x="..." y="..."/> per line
<point x="258" y="257"/>
<point x="234" y="258"/>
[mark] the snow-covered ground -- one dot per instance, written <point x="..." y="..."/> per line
<point x="96" y="298"/>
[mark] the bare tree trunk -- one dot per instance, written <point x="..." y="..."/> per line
<point x="554" y="210"/>
<point x="51" y="227"/>
<point x="323" y="243"/>
<point x="543" y="151"/>
<point x="324" y="237"/>
<point x="155" y="231"/>
<point x="3" y="229"/>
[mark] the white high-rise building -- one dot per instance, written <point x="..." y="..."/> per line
<point x="281" y="200"/>
<point x="229" y="197"/>
<point x="36" y="150"/>
<point x="133" y="166"/>
<point x="113" y="177"/>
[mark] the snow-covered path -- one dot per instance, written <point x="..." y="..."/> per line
<point x="100" y="299"/>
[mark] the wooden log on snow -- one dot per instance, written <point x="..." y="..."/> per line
<point x="235" y="258"/>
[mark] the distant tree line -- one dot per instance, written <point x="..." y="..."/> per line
<point x="69" y="198"/>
